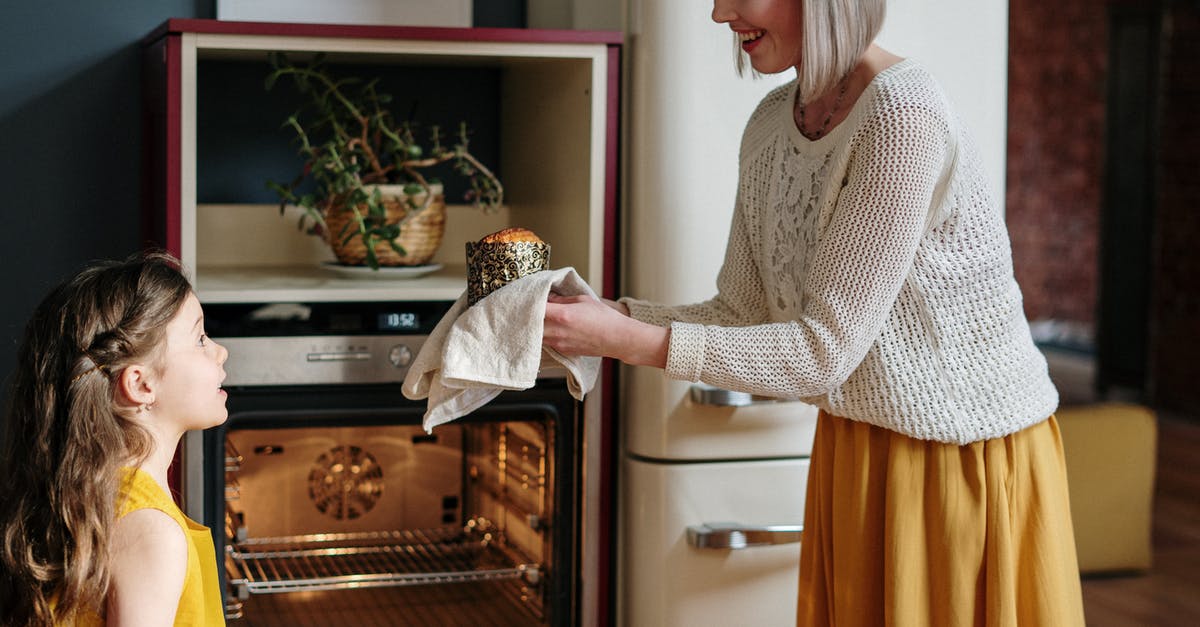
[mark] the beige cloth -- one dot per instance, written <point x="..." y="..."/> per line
<point x="475" y="353"/>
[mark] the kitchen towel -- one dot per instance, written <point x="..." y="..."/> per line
<point x="475" y="353"/>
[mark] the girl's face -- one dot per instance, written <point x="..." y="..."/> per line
<point x="189" y="386"/>
<point x="768" y="29"/>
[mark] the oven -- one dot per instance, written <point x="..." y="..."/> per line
<point x="330" y="504"/>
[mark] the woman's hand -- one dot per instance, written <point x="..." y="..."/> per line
<point x="582" y="325"/>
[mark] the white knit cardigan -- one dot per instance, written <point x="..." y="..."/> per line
<point x="868" y="273"/>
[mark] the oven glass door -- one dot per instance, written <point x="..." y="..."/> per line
<point x="331" y="505"/>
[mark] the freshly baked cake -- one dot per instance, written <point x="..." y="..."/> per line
<point x="513" y="234"/>
<point x="501" y="258"/>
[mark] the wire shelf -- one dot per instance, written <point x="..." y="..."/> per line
<point x="372" y="560"/>
<point x="480" y="604"/>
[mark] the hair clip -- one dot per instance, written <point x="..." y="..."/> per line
<point x="83" y="374"/>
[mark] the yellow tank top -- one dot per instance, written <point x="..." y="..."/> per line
<point x="200" y="603"/>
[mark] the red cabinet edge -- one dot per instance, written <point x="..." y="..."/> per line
<point x="427" y="33"/>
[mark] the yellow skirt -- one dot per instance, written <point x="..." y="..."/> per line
<point x="907" y="532"/>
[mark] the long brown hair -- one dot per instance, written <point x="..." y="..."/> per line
<point x="65" y="437"/>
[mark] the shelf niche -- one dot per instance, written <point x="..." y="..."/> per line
<point x="539" y="102"/>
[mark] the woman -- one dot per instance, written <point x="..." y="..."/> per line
<point x="868" y="272"/>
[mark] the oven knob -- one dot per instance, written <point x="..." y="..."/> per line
<point x="400" y="356"/>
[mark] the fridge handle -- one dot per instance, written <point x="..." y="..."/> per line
<point x="735" y="536"/>
<point x="704" y="394"/>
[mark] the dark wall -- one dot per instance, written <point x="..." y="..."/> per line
<point x="1174" y="337"/>
<point x="241" y="142"/>
<point x="70" y="150"/>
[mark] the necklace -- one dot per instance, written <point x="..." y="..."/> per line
<point x="824" y="125"/>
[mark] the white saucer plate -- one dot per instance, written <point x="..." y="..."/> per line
<point x="383" y="273"/>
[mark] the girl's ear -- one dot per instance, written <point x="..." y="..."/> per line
<point x="135" y="386"/>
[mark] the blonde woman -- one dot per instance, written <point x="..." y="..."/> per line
<point x="868" y="272"/>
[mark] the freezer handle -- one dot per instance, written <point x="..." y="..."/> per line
<point x="735" y="536"/>
<point x="704" y="394"/>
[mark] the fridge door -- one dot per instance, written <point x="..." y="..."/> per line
<point x="676" y="420"/>
<point x="666" y="581"/>
<point x="682" y="182"/>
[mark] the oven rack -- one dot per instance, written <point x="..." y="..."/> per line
<point x="338" y="561"/>
<point x="526" y="502"/>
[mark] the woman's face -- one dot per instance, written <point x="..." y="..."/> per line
<point x="769" y="30"/>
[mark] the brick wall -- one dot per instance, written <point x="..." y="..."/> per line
<point x="1057" y="62"/>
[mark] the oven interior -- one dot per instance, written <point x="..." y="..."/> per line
<point x="357" y="516"/>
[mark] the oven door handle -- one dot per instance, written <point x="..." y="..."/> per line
<point x="737" y="536"/>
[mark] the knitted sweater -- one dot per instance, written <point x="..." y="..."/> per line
<point x="868" y="273"/>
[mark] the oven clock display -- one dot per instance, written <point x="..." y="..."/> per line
<point x="399" y="321"/>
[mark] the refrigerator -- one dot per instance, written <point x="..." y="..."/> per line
<point x="712" y="482"/>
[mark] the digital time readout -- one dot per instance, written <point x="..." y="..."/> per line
<point x="399" y="321"/>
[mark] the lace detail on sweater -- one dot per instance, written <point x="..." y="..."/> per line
<point x="791" y="229"/>
<point x="868" y="273"/>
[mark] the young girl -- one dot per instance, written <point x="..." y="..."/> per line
<point x="868" y="272"/>
<point x="114" y="367"/>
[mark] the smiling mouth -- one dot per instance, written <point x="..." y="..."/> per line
<point x="750" y="36"/>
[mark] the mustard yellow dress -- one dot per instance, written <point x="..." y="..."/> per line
<point x="200" y="603"/>
<point x="905" y="532"/>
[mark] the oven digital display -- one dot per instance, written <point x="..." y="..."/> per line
<point x="399" y="321"/>
<point x="225" y="320"/>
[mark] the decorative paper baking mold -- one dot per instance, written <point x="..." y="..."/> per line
<point x="492" y="265"/>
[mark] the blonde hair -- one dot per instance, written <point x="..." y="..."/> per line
<point x="835" y="34"/>
<point x="66" y="439"/>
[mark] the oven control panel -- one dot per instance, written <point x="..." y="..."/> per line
<point x="319" y="359"/>
<point x="321" y="343"/>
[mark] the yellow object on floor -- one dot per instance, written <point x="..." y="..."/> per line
<point x="1111" y="453"/>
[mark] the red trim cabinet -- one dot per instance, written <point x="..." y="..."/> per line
<point x="558" y="107"/>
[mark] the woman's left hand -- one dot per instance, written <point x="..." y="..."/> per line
<point x="582" y="325"/>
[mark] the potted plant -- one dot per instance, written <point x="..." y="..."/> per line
<point x="371" y="202"/>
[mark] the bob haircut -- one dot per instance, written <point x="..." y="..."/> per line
<point x="835" y="35"/>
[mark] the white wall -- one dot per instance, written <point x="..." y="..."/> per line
<point x="578" y="14"/>
<point x="965" y="44"/>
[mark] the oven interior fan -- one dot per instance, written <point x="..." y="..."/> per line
<point x="345" y="482"/>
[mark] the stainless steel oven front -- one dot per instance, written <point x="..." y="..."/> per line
<point x="330" y="504"/>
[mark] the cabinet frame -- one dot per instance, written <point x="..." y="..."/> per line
<point x="170" y="56"/>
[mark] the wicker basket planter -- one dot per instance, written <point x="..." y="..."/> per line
<point x="348" y="137"/>
<point x="420" y="235"/>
